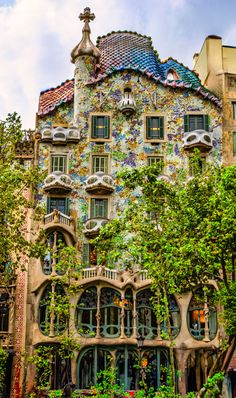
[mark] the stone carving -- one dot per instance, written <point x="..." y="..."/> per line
<point x="58" y="181"/>
<point x="197" y="139"/>
<point x="60" y="135"/>
<point x="99" y="183"/>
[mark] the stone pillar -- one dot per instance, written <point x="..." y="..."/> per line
<point x="181" y="359"/>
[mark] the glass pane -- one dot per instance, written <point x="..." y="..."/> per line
<point x="196" y="122"/>
<point x="154" y="127"/>
<point x="59" y="164"/>
<point x="99" y="208"/>
<point x="59" y="204"/>
<point x="110" y="312"/>
<point x="99" y="164"/>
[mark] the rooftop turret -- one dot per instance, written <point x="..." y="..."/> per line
<point x="85" y="47"/>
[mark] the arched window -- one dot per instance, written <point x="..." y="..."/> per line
<point x="175" y="319"/>
<point x="90" y="362"/>
<point x="4" y="312"/>
<point x="110" y="313"/>
<point x="86" y="312"/>
<point x="55" y="243"/>
<point x="128" y="307"/>
<point x="146" y="320"/>
<point x="52" y="322"/>
<point x="202" y="318"/>
<point x="154" y="363"/>
<point x="172" y="75"/>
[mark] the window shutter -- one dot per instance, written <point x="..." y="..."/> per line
<point x="48" y="205"/>
<point x="94" y="127"/>
<point x="206" y="122"/>
<point x="105" y="208"/>
<point x="92" y="209"/>
<point x="67" y="206"/>
<point x="186" y="123"/>
<point x="234" y="143"/>
<point x="106" y="126"/>
<point x="161" y="127"/>
<point x="85" y="255"/>
<point x="148" y="127"/>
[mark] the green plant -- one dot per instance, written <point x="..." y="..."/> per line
<point x="3" y="362"/>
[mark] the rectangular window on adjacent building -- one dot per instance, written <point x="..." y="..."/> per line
<point x="155" y="127"/>
<point x="58" y="163"/>
<point x="234" y="143"/>
<point x="99" y="208"/>
<point x="61" y="204"/>
<point x="99" y="164"/>
<point x="100" y="127"/>
<point x="234" y="109"/>
<point x="196" y="122"/>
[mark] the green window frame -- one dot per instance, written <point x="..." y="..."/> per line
<point x="234" y="109"/>
<point x="100" y="127"/>
<point x="58" y="163"/>
<point x="234" y="143"/>
<point x="196" y="122"/>
<point x="99" y="164"/>
<point x="61" y="204"/>
<point x="155" y="127"/>
<point x="99" y="208"/>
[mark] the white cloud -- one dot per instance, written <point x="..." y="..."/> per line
<point x="37" y="37"/>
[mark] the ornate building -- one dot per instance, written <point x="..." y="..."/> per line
<point x="124" y="108"/>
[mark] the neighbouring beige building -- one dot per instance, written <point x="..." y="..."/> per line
<point x="216" y="66"/>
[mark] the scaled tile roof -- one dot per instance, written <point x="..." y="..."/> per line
<point x="128" y="51"/>
<point x="53" y="97"/>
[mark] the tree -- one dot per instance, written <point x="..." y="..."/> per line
<point x="17" y="185"/>
<point x="183" y="231"/>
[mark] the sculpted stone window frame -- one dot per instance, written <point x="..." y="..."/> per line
<point x="202" y="316"/>
<point x="100" y="127"/>
<point x="50" y="323"/>
<point x="154" y="126"/>
<point x="93" y="360"/>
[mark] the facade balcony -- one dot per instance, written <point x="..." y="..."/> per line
<point x="60" y="135"/>
<point x="127" y="105"/>
<point x="56" y="219"/>
<point x="99" y="184"/>
<point x="93" y="225"/>
<point x="58" y="182"/>
<point x="200" y="139"/>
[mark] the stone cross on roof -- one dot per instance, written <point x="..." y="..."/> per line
<point x="86" y="16"/>
<point x="85" y="47"/>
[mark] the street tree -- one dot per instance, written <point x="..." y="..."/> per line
<point x="183" y="231"/>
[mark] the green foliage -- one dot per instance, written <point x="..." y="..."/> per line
<point x="213" y="384"/>
<point x="55" y="394"/>
<point x="42" y="359"/>
<point x="3" y="363"/>
<point x="185" y="235"/>
<point x="106" y="385"/>
<point x="17" y="185"/>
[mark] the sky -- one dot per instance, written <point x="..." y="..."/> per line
<point x="37" y="36"/>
